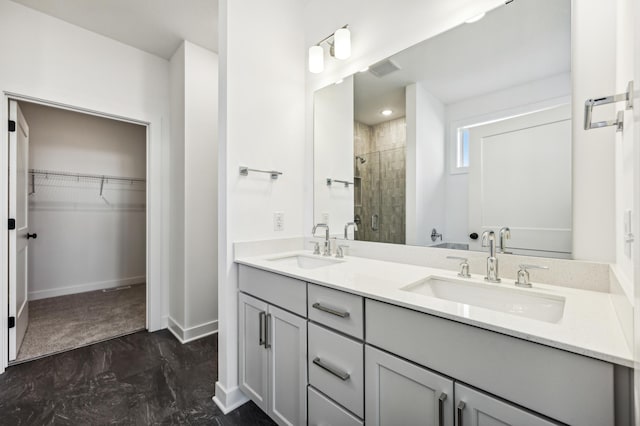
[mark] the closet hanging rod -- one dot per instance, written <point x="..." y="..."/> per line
<point x="46" y="173"/>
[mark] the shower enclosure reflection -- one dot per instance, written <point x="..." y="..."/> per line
<point x="379" y="193"/>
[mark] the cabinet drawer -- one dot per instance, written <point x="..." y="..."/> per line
<point x="324" y="412"/>
<point x="336" y="309"/>
<point x="285" y="292"/>
<point x="336" y="367"/>
<point x="561" y="385"/>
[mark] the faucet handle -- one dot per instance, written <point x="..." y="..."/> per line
<point x="523" y="274"/>
<point x="340" y="251"/>
<point x="464" y="266"/>
<point x="316" y="247"/>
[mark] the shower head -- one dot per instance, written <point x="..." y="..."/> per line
<point x="361" y="159"/>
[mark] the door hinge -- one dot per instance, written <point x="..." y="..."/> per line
<point x="12" y="224"/>
<point x="12" y="322"/>
<point x="12" y="126"/>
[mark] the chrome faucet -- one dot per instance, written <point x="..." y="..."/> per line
<point x="505" y="234"/>
<point x="346" y="229"/>
<point x="327" y="245"/>
<point x="489" y="239"/>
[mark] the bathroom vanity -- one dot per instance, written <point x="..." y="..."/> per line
<point x="355" y="340"/>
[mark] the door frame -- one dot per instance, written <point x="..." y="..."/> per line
<point x="152" y="287"/>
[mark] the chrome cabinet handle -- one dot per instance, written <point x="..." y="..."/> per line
<point x="261" y="316"/>
<point x="460" y="407"/>
<point x="374" y="222"/>
<point x="443" y="397"/>
<point x="341" y="314"/>
<point x="267" y="332"/>
<point x="342" y="375"/>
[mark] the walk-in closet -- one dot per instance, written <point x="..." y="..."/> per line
<point x="80" y="274"/>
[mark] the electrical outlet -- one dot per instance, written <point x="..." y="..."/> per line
<point x="325" y="217"/>
<point x="278" y="221"/>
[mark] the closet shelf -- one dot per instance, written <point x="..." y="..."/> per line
<point x="47" y="173"/>
<point x="80" y="176"/>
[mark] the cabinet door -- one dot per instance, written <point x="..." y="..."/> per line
<point x="475" y="408"/>
<point x="253" y="354"/>
<point x="401" y="393"/>
<point x="287" y="343"/>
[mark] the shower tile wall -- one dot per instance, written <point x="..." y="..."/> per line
<point x="380" y="181"/>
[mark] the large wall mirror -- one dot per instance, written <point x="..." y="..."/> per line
<point x="465" y="132"/>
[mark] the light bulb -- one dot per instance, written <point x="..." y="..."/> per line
<point x="386" y="112"/>
<point x="342" y="43"/>
<point x="316" y="59"/>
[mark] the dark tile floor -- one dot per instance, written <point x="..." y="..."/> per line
<point x="139" y="379"/>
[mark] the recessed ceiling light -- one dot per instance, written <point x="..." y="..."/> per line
<point x="386" y="112"/>
<point x="475" y="18"/>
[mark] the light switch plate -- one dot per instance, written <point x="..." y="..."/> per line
<point x="278" y="221"/>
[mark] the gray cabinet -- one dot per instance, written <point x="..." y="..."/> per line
<point x="401" y="393"/>
<point x="253" y="360"/>
<point x="273" y="360"/>
<point x="474" y="408"/>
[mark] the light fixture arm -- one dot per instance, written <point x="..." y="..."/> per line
<point x="330" y="36"/>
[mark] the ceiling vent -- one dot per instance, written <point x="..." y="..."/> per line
<point x="383" y="68"/>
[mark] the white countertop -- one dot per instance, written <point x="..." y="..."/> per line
<point x="589" y="325"/>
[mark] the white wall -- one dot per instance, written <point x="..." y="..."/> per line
<point x="176" y="172"/>
<point x="516" y="100"/>
<point x="53" y="60"/>
<point x="85" y="242"/>
<point x="194" y="177"/>
<point x="262" y="125"/>
<point x="426" y="162"/>
<point x="333" y="152"/>
<point x="593" y="74"/>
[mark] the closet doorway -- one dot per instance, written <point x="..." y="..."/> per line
<point x="77" y="204"/>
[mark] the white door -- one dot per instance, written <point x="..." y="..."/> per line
<point x="253" y="350"/>
<point x="520" y="177"/>
<point x="287" y="343"/>
<point x="475" y="408"/>
<point x="401" y="393"/>
<point x="18" y="241"/>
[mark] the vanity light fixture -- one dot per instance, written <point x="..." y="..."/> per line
<point x="339" y="47"/>
<point x="475" y="18"/>
<point x="316" y="59"/>
<point x="386" y="112"/>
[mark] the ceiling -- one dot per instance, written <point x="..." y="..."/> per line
<point x="155" y="26"/>
<point x="523" y="41"/>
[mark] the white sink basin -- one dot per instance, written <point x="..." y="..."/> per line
<point x="525" y="303"/>
<point x="304" y="261"/>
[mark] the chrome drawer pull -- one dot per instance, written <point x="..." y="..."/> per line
<point x="341" y="314"/>
<point x="343" y="375"/>
<point x="262" y="330"/>
<point x="441" y="400"/>
<point x="460" y="407"/>
<point x="267" y="332"/>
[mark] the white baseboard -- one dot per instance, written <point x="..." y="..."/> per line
<point x="189" y="334"/>
<point x="164" y="322"/>
<point x="228" y="400"/>
<point x="82" y="288"/>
